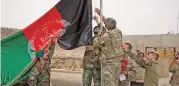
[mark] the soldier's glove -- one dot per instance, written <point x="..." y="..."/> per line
<point x="39" y="54"/>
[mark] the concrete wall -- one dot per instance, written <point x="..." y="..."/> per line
<point x="152" y="41"/>
<point x="5" y="32"/>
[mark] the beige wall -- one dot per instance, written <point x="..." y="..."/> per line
<point x="152" y="41"/>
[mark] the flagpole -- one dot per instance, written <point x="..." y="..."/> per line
<point x="177" y="22"/>
<point x="101" y="14"/>
<point x="101" y="27"/>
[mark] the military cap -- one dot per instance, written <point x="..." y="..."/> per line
<point x="153" y="51"/>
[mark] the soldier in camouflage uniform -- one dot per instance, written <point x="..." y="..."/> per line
<point x="33" y="78"/>
<point x="51" y="48"/>
<point x="130" y="72"/>
<point x="110" y="52"/>
<point x="138" y="79"/>
<point x="127" y="66"/>
<point x="92" y="64"/>
<point x="150" y="64"/>
<point x="44" y="76"/>
<point x="140" y="74"/>
<point x="40" y="75"/>
<point x="174" y="68"/>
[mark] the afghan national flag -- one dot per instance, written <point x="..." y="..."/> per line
<point x="19" y="51"/>
<point x="79" y="23"/>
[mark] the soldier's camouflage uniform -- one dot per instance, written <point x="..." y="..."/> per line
<point x="33" y="77"/>
<point x="91" y="67"/>
<point x="51" y="51"/>
<point x="174" y="68"/>
<point x="41" y="76"/>
<point x="111" y="54"/>
<point x="131" y="72"/>
<point x="44" y="76"/>
<point x="138" y="80"/>
<point x="48" y="62"/>
<point x="140" y="74"/>
<point x="151" y="69"/>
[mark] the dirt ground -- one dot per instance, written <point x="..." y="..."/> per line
<point x="75" y="79"/>
<point x="66" y="79"/>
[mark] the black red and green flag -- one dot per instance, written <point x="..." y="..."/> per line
<point x="70" y="20"/>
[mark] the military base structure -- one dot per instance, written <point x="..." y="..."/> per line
<point x="71" y="60"/>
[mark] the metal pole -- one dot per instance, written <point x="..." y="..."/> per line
<point x="101" y="73"/>
<point x="177" y="22"/>
<point x="101" y="14"/>
<point x="101" y="26"/>
<point x="177" y="26"/>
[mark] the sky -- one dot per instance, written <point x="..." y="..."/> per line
<point x="133" y="17"/>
